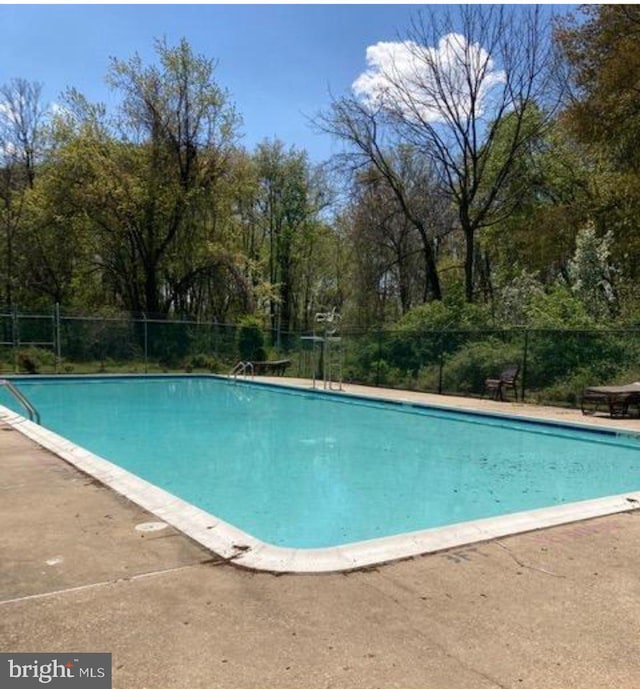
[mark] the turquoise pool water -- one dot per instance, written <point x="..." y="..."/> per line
<point x="309" y="470"/>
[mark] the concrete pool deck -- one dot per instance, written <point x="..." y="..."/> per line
<point x="553" y="608"/>
<point x="471" y="404"/>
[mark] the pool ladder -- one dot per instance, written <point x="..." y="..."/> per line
<point x="242" y="368"/>
<point x="22" y="399"/>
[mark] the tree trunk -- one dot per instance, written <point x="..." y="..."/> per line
<point x="151" y="296"/>
<point x="432" y="279"/>
<point x="469" y="259"/>
<point x="468" y="264"/>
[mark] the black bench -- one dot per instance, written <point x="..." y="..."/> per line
<point x="277" y="368"/>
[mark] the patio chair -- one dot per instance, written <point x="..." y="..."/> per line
<point x="507" y="379"/>
<point x="616" y="399"/>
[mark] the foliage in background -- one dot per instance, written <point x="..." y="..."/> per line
<point x="250" y="340"/>
<point x="440" y="241"/>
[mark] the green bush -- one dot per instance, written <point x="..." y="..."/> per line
<point x="429" y="330"/>
<point x="169" y="342"/>
<point x="206" y="361"/>
<point x="568" y="391"/>
<point x="250" y="340"/>
<point x="411" y="350"/>
<point x="428" y="379"/>
<point x="466" y="370"/>
<point x="32" y="359"/>
<point x="383" y="373"/>
<point x="453" y="313"/>
<point x="554" y="356"/>
<point x="92" y="339"/>
<point x="558" y="309"/>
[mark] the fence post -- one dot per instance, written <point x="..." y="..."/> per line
<point x="379" y="357"/>
<point x="144" y="320"/>
<point x="524" y="365"/>
<point x="440" y="361"/>
<point x="15" y="337"/>
<point x="57" y="338"/>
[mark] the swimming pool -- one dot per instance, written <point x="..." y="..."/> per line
<point x="300" y="472"/>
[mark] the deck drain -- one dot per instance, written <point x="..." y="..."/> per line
<point x="151" y="526"/>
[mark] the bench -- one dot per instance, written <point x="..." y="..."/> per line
<point x="263" y="368"/>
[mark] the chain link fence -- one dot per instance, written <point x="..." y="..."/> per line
<point x="555" y="365"/>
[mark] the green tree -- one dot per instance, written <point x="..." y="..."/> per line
<point x="290" y="196"/>
<point x="603" y="53"/>
<point x="591" y="273"/>
<point x="552" y="189"/>
<point x="389" y="271"/>
<point x="149" y="184"/>
<point x="184" y="127"/>
<point x="52" y="265"/>
<point x="22" y="127"/>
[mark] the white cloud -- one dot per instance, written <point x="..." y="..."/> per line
<point x="401" y="76"/>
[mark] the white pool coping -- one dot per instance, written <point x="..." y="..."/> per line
<point x="240" y="548"/>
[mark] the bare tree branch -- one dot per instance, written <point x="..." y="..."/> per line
<point x="462" y="89"/>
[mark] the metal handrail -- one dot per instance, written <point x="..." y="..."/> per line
<point x="31" y="410"/>
<point x="241" y="369"/>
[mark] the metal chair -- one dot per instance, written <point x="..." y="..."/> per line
<point x="508" y="379"/>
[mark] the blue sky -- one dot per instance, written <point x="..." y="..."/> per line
<point x="279" y="62"/>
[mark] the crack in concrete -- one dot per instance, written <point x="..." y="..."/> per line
<point x="107" y="582"/>
<point x="522" y="564"/>
<point x="448" y="654"/>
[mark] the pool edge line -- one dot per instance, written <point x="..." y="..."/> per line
<point x="507" y="415"/>
<point x="239" y="548"/>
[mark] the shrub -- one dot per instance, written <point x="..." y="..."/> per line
<point x="555" y="355"/>
<point x="558" y="309"/>
<point x="385" y="374"/>
<point x="451" y="314"/>
<point x="428" y="379"/>
<point x="250" y="340"/>
<point x="93" y="339"/>
<point x="27" y="363"/>
<point x="568" y="391"/>
<point x="467" y="369"/>
<point x="420" y="337"/>
<point x="31" y="360"/>
<point x="205" y="361"/>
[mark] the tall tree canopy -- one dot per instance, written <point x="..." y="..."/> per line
<point x="22" y="135"/>
<point x="151" y="192"/>
<point x="603" y="52"/>
<point x="446" y="90"/>
<point x="460" y="179"/>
